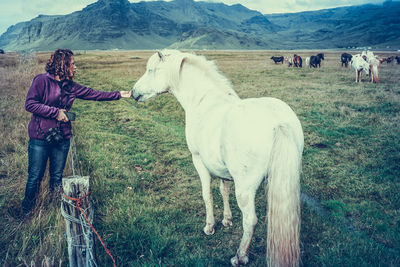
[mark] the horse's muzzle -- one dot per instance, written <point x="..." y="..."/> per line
<point x="136" y="96"/>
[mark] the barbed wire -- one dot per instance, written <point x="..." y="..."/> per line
<point x="83" y="220"/>
<point x="73" y="241"/>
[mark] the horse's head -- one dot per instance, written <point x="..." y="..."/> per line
<point x="158" y="78"/>
<point x="154" y="81"/>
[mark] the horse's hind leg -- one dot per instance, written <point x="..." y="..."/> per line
<point x="205" y="179"/>
<point x="224" y="189"/>
<point x="245" y="199"/>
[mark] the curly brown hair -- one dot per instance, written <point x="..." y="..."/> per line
<point x="60" y="63"/>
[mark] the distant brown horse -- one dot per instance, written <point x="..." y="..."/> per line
<point x="382" y="59"/>
<point x="297" y="61"/>
<point x="389" y="59"/>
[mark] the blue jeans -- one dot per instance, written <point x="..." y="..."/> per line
<point x="39" y="151"/>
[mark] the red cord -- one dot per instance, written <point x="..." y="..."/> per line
<point x="78" y="206"/>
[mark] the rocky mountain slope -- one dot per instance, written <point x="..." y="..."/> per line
<point x="119" y="24"/>
<point x="355" y="26"/>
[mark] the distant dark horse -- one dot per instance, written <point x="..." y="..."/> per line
<point x="1" y="51"/>
<point x="297" y="61"/>
<point x="315" y="61"/>
<point x="277" y="59"/>
<point x="397" y="59"/>
<point x="345" y="59"/>
<point x="389" y="59"/>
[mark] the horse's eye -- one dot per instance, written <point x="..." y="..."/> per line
<point x="152" y="70"/>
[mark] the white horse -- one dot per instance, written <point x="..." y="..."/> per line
<point x="373" y="65"/>
<point x="308" y="61"/>
<point x="243" y="141"/>
<point x="373" y="69"/>
<point x="359" y="64"/>
<point x="289" y="61"/>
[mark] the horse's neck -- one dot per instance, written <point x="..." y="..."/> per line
<point x="196" y="87"/>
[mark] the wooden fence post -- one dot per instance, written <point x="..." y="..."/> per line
<point x="79" y="234"/>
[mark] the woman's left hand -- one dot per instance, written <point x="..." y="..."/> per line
<point x="126" y="93"/>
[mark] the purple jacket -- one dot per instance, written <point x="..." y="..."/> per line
<point x="43" y="101"/>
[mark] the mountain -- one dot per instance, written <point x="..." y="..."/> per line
<point x="213" y="38"/>
<point x="355" y="26"/>
<point x="105" y="24"/>
<point x="111" y="24"/>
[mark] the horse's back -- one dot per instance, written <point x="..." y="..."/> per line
<point x="248" y="132"/>
<point x="240" y="133"/>
<point x="265" y="112"/>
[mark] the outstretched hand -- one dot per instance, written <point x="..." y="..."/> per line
<point x="126" y="93"/>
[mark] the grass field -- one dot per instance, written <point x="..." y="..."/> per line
<point x="146" y="192"/>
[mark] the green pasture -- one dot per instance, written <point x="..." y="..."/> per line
<point x="146" y="192"/>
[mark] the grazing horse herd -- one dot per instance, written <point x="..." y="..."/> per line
<point x="365" y="62"/>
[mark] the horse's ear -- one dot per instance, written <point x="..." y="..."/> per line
<point x="176" y="69"/>
<point x="161" y="56"/>
<point x="182" y="62"/>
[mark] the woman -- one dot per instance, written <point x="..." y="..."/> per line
<point x="49" y="98"/>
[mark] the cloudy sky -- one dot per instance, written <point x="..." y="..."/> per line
<point x="14" y="11"/>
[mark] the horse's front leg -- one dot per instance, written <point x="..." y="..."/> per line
<point x="205" y="179"/>
<point x="224" y="189"/>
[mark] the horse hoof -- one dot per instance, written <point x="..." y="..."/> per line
<point x="209" y="230"/>
<point x="227" y="222"/>
<point x="235" y="261"/>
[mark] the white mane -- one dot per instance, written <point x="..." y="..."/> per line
<point x="203" y="66"/>
<point x="211" y="70"/>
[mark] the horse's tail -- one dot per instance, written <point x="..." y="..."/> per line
<point x="283" y="248"/>
<point x="375" y="75"/>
